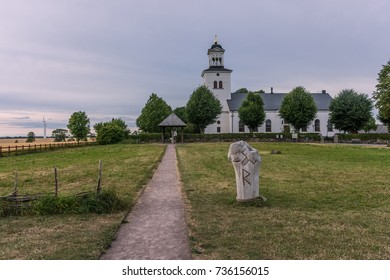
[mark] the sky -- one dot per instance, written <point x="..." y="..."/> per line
<point x="107" y="57"/>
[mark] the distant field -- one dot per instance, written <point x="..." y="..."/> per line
<point x="22" y="141"/>
<point x="323" y="202"/>
<point x="126" y="168"/>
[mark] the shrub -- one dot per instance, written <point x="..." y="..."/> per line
<point x="105" y="202"/>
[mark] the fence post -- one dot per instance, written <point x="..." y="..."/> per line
<point x="55" y="181"/>
<point x="9" y="151"/>
<point x="99" y="187"/>
<point x="1" y="151"/>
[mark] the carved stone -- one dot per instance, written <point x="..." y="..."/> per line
<point x="246" y="162"/>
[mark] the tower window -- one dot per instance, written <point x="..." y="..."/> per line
<point x="215" y="84"/>
<point x="220" y="84"/>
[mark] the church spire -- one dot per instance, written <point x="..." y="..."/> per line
<point x="215" y="39"/>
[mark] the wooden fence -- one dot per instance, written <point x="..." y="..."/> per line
<point x="20" y="149"/>
<point x="18" y="202"/>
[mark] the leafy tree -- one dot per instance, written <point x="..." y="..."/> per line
<point x="370" y="125"/>
<point x="259" y="91"/>
<point x="350" y="111"/>
<point x="59" y="134"/>
<point x="298" y="108"/>
<point x="382" y="95"/>
<point x="243" y="90"/>
<point x="181" y="112"/>
<point x="251" y="112"/>
<point x="153" y="113"/>
<point x="30" y="137"/>
<point x="203" y="108"/>
<point x="111" y="132"/>
<point x="79" y="125"/>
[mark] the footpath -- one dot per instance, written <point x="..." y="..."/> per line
<point x="156" y="228"/>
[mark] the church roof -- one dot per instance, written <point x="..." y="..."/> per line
<point x="273" y="101"/>
<point x="173" y="121"/>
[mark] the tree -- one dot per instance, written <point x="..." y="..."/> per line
<point x="181" y="112"/>
<point x="251" y="112"/>
<point x="370" y="125"/>
<point x="79" y="125"/>
<point x="243" y="90"/>
<point x="298" y="108"/>
<point x="382" y="94"/>
<point x="111" y="132"/>
<point x="203" y="108"/>
<point x="350" y="111"/>
<point x="30" y="137"/>
<point x="153" y="113"/>
<point x="59" y="134"/>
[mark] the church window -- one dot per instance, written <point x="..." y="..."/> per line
<point x="215" y="84"/>
<point x="218" y="129"/>
<point x="218" y="122"/>
<point x="317" y="125"/>
<point x="220" y="84"/>
<point x="268" y="127"/>
<point x="241" y="127"/>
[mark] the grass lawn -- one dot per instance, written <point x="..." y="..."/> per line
<point x="126" y="168"/>
<point x="323" y="202"/>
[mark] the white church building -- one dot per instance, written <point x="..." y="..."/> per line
<point x="218" y="79"/>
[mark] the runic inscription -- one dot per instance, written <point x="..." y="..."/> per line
<point x="246" y="159"/>
<point x="246" y="162"/>
<point x="245" y="176"/>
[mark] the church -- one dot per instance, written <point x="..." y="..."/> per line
<point x="218" y="79"/>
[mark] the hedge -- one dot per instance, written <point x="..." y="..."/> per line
<point x="364" y="136"/>
<point x="225" y="137"/>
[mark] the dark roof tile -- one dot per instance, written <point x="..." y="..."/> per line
<point x="273" y="101"/>
<point x="173" y="121"/>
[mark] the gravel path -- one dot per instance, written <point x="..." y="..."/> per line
<point x="156" y="228"/>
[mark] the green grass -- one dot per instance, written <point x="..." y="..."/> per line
<point x="323" y="202"/>
<point x="126" y="168"/>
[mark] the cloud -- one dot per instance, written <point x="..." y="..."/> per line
<point x="65" y="56"/>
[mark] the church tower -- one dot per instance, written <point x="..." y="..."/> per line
<point x="218" y="79"/>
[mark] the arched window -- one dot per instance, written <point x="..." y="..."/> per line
<point x="268" y="127"/>
<point x="220" y="84"/>
<point x="317" y="127"/>
<point x="215" y="84"/>
<point x="241" y="127"/>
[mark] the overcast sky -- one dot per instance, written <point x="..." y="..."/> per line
<point x="107" y="57"/>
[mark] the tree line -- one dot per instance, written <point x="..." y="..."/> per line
<point x="350" y="111"/>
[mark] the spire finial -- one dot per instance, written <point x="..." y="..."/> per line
<point x="215" y="39"/>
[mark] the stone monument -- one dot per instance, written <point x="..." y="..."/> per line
<point x="246" y="162"/>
